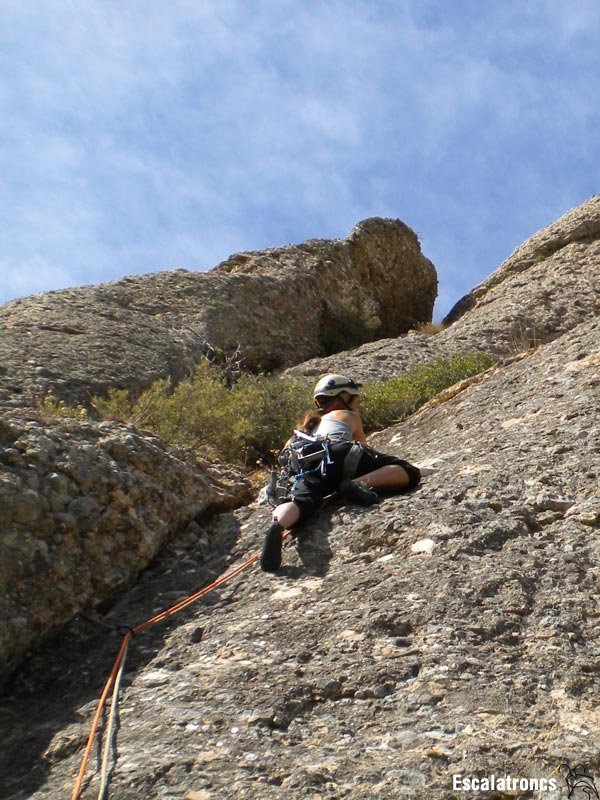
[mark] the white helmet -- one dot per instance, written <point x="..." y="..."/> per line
<point x="333" y="385"/>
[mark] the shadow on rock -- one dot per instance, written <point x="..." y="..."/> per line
<point x="46" y="710"/>
<point x="312" y="547"/>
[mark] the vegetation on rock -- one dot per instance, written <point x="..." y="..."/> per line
<point x="246" y="422"/>
<point x="394" y="399"/>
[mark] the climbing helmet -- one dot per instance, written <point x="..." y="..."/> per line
<point x="332" y="385"/>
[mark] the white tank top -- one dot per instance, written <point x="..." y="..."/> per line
<point x="334" y="429"/>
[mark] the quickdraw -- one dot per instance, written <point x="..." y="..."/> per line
<point x="304" y="454"/>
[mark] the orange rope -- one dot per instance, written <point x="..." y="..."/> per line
<point x="187" y="600"/>
<point x="123" y="649"/>
<point x="101" y="703"/>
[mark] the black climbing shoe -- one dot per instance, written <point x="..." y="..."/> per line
<point x="358" y="493"/>
<point x="270" y="558"/>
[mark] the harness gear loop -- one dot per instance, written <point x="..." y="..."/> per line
<point x="353" y="456"/>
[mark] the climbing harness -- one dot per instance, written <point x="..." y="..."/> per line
<point x="304" y="454"/>
<point x="113" y="681"/>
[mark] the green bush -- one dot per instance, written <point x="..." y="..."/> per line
<point x="243" y="424"/>
<point x="116" y="405"/>
<point x="248" y="421"/>
<point x="385" y="402"/>
<point x="51" y="407"/>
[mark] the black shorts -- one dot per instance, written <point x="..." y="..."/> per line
<point x="310" y="490"/>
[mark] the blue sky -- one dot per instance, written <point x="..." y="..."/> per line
<point x="143" y="135"/>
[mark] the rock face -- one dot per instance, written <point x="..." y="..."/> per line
<point x="367" y="668"/>
<point x="554" y="269"/>
<point x="83" y="509"/>
<point x="549" y="285"/>
<point x="283" y="305"/>
<point x="437" y="637"/>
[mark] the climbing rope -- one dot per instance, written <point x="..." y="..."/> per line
<point x="114" y="702"/>
<point x="114" y="679"/>
<point x="101" y="703"/>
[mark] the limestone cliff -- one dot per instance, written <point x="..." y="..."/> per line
<point x="282" y="305"/>
<point x="451" y="632"/>
<point x="549" y="284"/>
<point x="85" y="507"/>
<point x="365" y="669"/>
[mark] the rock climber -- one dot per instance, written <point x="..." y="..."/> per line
<point x="351" y="468"/>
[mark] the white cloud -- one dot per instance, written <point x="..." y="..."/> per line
<point x="146" y="134"/>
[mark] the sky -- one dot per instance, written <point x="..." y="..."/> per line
<point x="143" y="135"/>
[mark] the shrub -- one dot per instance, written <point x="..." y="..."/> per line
<point x="248" y="422"/>
<point x="116" y="405"/>
<point x="385" y="402"/>
<point x="343" y="327"/>
<point x="244" y="423"/>
<point x="50" y="406"/>
<point x="430" y="328"/>
<point x="524" y="337"/>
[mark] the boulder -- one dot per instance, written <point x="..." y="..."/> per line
<point x="281" y="305"/>
<point x="546" y="287"/>
<point x="84" y="508"/>
<point x="549" y="285"/>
